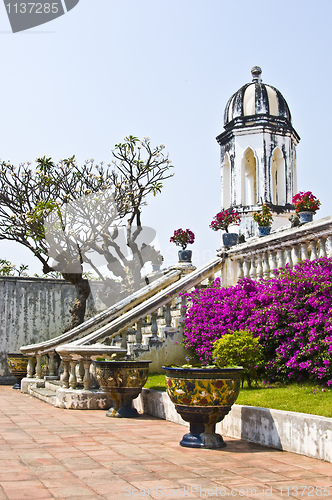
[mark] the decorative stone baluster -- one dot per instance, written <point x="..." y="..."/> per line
<point x="139" y="332"/>
<point x="154" y="326"/>
<point x="329" y="240"/>
<point x="252" y="272"/>
<point x="72" y="376"/>
<point x="80" y="372"/>
<point x="246" y="267"/>
<point x="65" y="375"/>
<point x="124" y="335"/>
<point x="322" y="247"/>
<point x="239" y="269"/>
<point x="304" y="251"/>
<point x="274" y="264"/>
<point x="280" y="258"/>
<point x="51" y="364"/>
<point x="38" y="366"/>
<point x="168" y="316"/>
<point x="289" y="260"/>
<point x="297" y="257"/>
<point x="87" y="377"/>
<point x="266" y="265"/>
<point x="259" y="269"/>
<point x="313" y="255"/>
<point x="31" y="366"/>
<point x="183" y="309"/>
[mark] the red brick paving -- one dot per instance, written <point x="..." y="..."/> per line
<point x="47" y="452"/>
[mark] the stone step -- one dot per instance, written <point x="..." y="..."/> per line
<point x="44" y="394"/>
<point x="53" y="385"/>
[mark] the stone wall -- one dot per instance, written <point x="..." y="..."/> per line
<point x="33" y="310"/>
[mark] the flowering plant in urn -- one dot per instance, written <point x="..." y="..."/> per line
<point x="306" y="202"/>
<point x="263" y="218"/>
<point x="182" y="238"/>
<point x="224" y="219"/>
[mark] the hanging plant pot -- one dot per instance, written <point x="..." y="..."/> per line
<point x="264" y="230"/>
<point x="185" y="255"/>
<point x="203" y="397"/>
<point x="230" y="239"/>
<point x="18" y="366"/>
<point x="123" y="381"/>
<point x="306" y="216"/>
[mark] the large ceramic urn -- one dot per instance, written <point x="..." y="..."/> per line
<point x="203" y="397"/>
<point x="17" y="364"/>
<point x="123" y="380"/>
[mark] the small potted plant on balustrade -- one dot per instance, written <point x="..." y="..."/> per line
<point x="222" y="221"/>
<point x="182" y="238"/>
<point x="264" y="220"/>
<point x="306" y="205"/>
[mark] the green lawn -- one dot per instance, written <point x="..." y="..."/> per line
<point x="305" y="398"/>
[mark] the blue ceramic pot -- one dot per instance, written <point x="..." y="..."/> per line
<point x="185" y="255"/>
<point x="264" y="230"/>
<point x="306" y="216"/>
<point x="230" y="239"/>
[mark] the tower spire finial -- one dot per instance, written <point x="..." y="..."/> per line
<point x="256" y="74"/>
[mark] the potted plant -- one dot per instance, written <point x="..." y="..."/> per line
<point x="182" y="238"/>
<point x="203" y="396"/>
<point x="306" y="205"/>
<point x="264" y="220"/>
<point x="123" y="381"/>
<point x="222" y="221"/>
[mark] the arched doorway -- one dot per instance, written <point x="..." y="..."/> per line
<point x="278" y="178"/>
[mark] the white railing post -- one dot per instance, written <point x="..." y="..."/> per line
<point x="38" y="366"/>
<point x="280" y="258"/>
<point x="31" y="366"/>
<point x="313" y="255"/>
<point x="51" y="364"/>
<point x="259" y="270"/>
<point x="246" y="266"/>
<point x="266" y="265"/>
<point x="322" y="247"/>
<point x="252" y="272"/>
<point x="304" y="250"/>
<point x="72" y="376"/>
<point x="87" y="377"/>
<point x="66" y="370"/>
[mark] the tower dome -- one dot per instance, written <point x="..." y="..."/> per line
<point x="258" y="153"/>
<point x="256" y="101"/>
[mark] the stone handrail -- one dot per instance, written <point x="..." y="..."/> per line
<point x="257" y="257"/>
<point x="104" y="317"/>
<point x="151" y="305"/>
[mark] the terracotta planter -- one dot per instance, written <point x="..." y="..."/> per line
<point x="123" y="380"/>
<point x="18" y="366"/>
<point x="203" y="397"/>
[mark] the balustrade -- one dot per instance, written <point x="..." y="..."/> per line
<point x="259" y="257"/>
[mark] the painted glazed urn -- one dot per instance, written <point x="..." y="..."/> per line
<point x="18" y="364"/>
<point x="123" y="381"/>
<point x="203" y="397"/>
<point x="306" y="217"/>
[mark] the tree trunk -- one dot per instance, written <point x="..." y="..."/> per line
<point x="83" y="290"/>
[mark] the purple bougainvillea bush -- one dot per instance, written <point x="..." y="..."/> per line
<point x="291" y="314"/>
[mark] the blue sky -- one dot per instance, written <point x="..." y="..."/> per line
<point x="106" y="69"/>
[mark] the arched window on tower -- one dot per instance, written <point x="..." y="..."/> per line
<point x="249" y="178"/>
<point x="278" y="178"/>
<point x="226" y="182"/>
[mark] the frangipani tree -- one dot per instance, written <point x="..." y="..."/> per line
<point x="32" y="199"/>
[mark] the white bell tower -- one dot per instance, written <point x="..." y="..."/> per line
<point x="258" y="157"/>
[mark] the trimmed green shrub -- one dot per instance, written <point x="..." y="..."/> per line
<point x="239" y="348"/>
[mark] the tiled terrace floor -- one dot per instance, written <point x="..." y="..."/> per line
<point x="46" y="452"/>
